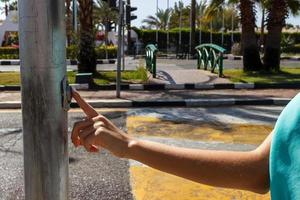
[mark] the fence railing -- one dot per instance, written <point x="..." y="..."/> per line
<point x="210" y="56"/>
<point x="151" y="51"/>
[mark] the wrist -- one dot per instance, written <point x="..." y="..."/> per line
<point x="131" y="146"/>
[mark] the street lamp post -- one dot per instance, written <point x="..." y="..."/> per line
<point x="44" y="85"/>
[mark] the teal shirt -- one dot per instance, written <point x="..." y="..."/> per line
<point x="285" y="154"/>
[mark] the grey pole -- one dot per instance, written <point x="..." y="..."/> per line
<point x="168" y="36"/>
<point x="211" y="36"/>
<point x="43" y="70"/>
<point x="180" y="27"/>
<point x="157" y="24"/>
<point x="200" y="31"/>
<point x="75" y="15"/>
<point x="232" y="27"/>
<point x="223" y="26"/>
<point x="119" y="60"/>
<point x="123" y="48"/>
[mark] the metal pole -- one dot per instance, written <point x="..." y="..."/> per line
<point x="121" y="19"/>
<point x="157" y="24"/>
<point x="200" y="18"/>
<point x="223" y="28"/>
<point x="211" y="37"/>
<point x="232" y="27"/>
<point x="43" y="72"/>
<point x="123" y="48"/>
<point x="168" y="36"/>
<point x="75" y="15"/>
<point x="180" y="27"/>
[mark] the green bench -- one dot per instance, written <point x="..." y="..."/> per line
<point x="151" y="51"/>
<point x="210" y="56"/>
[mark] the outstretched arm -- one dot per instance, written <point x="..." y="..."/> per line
<point x="240" y="170"/>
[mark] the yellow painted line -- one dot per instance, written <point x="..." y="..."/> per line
<point x="150" y="184"/>
<point x="100" y="110"/>
<point x="229" y="133"/>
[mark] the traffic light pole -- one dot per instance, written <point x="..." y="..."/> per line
<point x="44" y="85"/>
<point x="119" y="60"/>
<point x="129" y="43"/>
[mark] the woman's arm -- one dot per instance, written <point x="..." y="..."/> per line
<point x="240" y="170"/>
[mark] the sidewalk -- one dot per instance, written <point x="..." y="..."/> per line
<point x="179" y="98"/>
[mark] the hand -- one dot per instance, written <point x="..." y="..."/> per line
<point x="97" y="131"/>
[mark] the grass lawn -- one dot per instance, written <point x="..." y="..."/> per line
<point x="286" y="75"/>
<point x="137" y="76"/>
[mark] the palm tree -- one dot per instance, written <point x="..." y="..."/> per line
<point x="251" y="57"/>
<point x="87" y="55"/>
<point x="159" y="21"/>
<point x="278" y="12"/>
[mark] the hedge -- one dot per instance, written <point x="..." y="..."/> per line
<point x="293" y="49"/>
<point x="149" y="36"/>
<point x="72" y="52"/>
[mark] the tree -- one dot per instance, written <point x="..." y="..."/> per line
<point x="250" y="50"/>
<point x="160" y="20"/>
<point x="184" y="11"/>
<point x="278" y="12"/>
<point x="87" y="55"/>
<point x="13" y="6"/>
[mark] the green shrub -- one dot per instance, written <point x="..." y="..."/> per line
<point x="149" y="36"/>
<point x="295" y="49"/>
<point x="72" y="52"/>
<point x="9" y="56"/>
<point x="9" y="50"/>
<point x="110" y="50"/>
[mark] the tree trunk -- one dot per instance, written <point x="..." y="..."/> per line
<point x="6" y="9"/>
<point x="87" y="55"/>
<point x="193" y="26"/>
<point x="262" y="30"/>
<point x="68" y="21"/>
<point x="251" y="57"/>
<point x="276" y="21"/>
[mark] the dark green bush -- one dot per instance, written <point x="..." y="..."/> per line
<point x="295" y="49"/>
<point x="72" y="52"/>
<point x="9" y="50"/>
<point x="149" y="36"/>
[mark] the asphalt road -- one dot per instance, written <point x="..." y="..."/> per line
<point x="102" y="176"/>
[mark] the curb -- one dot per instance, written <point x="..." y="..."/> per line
<point x="69" y="62"/>
<point x="121" y="103"/>
<point x="188" y="86"/>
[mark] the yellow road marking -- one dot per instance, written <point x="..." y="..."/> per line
<point x="150" y="184"/>
<point x="229" y="133"/>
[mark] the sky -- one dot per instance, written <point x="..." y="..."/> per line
<point x="148" y="7"/>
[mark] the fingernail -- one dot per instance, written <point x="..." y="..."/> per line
<point x="94" y="149"/>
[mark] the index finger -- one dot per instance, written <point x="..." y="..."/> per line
<point x="87" y="108"/>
